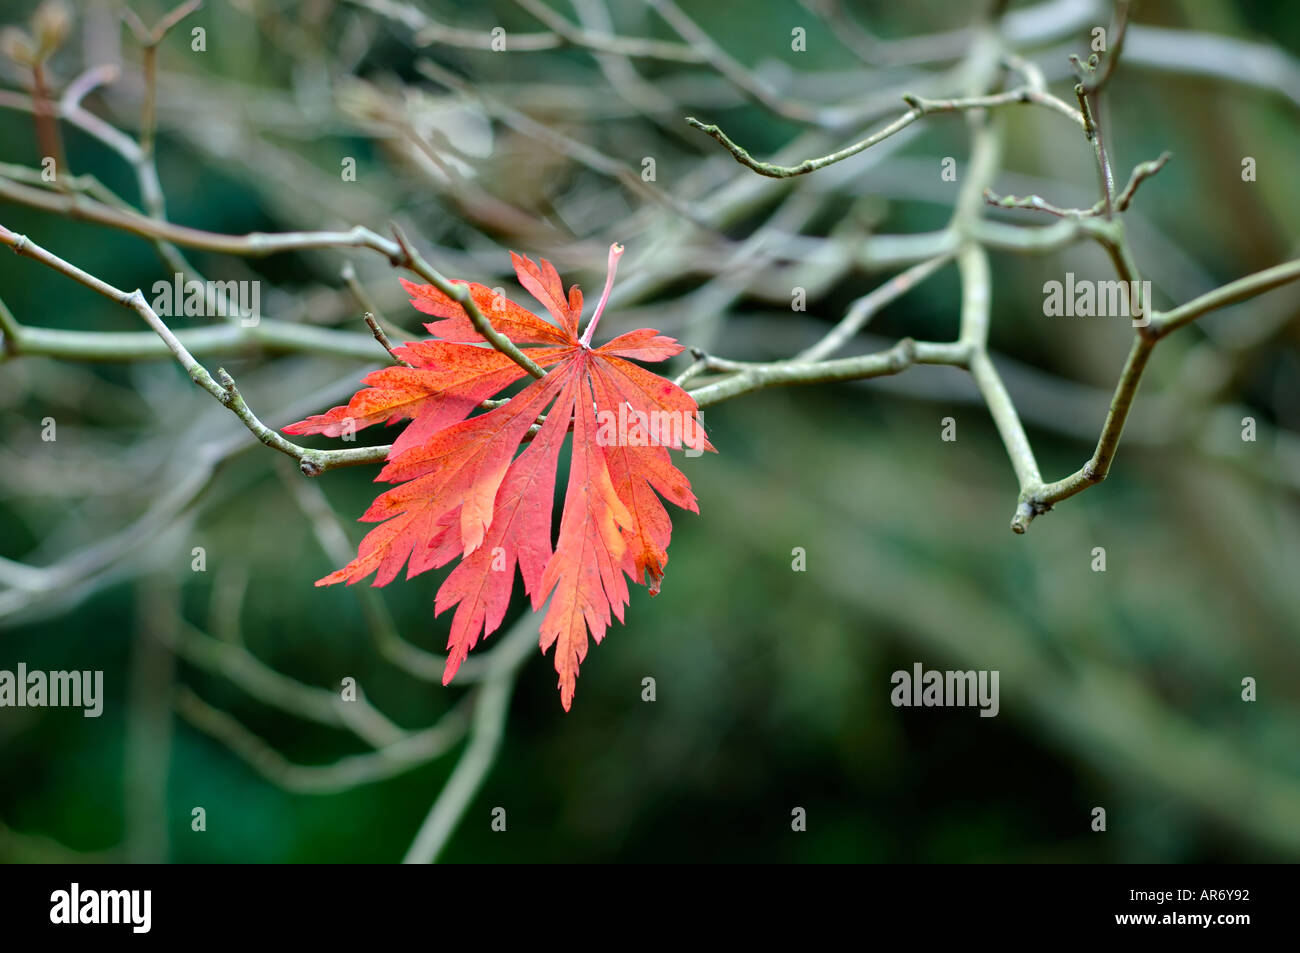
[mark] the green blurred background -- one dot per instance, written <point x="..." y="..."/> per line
<point x="1119" y="689"/>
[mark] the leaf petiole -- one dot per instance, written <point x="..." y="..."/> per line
<point x="615" y="252"/>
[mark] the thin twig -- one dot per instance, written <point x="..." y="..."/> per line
<point x="345" y="774"/>
<point x="863" y="309"/>
<point x="490" y="710"/>
<point x="919" y="107"/>
<point x="429" y="31"/>
<point x="1140" y="174"/>
<point x="382" y="338"/>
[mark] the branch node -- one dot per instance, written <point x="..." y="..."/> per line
<point x="228" y="385"/>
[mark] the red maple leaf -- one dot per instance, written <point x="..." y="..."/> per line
<point x="464" y="489"/>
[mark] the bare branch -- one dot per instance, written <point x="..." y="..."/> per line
<point x="382" y="338"/>
<point x="1140" y="174"/>
<point x="919" y="107"/>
